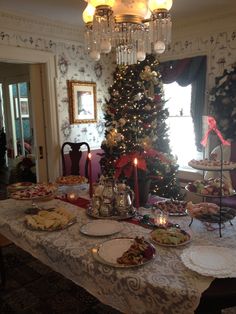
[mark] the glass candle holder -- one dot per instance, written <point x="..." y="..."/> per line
<point x="161" y="219"/>
<point x="72" y="196"/>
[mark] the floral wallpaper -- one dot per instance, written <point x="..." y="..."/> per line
<point x="72" y="64"/>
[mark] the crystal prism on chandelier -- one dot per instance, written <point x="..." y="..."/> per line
<point x="133" y="28"/>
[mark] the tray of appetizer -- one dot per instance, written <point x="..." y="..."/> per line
<point x="172" y="207"/>
<point x="170" y="236"/>
<point x="71" y="180"/>
<point x="208" y="164"/>
<point x="50" y="220"/>
<point x="38" y="191"/>
<point x="210" y="212"/>
<point x="210" y="188"/>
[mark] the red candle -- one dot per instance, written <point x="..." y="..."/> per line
<point x="136" y="189"/>
<point x="90" y="175"/>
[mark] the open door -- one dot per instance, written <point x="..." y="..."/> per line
<point x="22" y="119"/>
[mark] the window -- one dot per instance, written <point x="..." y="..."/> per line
<point x="180" y="123"/>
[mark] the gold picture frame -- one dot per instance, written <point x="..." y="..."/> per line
<point x="82" y="102"/>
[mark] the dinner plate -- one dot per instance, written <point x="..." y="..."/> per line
<point x="218" y="262"/>
<point x="188" y="240"/>
<point x="109" y="251"/>
<point x="100" y="228"/>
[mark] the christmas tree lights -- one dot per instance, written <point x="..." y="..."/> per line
<point x="135" y="124"/>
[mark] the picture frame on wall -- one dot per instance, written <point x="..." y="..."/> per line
<point x="82" y="102"/>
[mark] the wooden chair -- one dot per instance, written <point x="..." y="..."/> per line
<point x="72" y="160"/>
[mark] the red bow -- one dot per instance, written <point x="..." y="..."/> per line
<point x="126" y="164"/>
<point x="212" y="127"/>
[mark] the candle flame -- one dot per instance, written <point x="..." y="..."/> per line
<point x="135" y="161"/>
<point x="89" y="156"/>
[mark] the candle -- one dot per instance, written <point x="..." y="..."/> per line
<point x="161" y="219"/>
<point x="71" y="196"/>
<point x="90" y="175"/>
<point x="136" y="188"/>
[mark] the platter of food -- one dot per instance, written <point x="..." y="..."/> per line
<point x="53" y="220"/>
<point x="100" y="228"/>
<point x="170" y="236"/>
<point x="172" y="207"/>
<point x="209" y="165"/>
<point x="71" y="180"/>
<point x="125" y="252"/>
<point x="95" y="214"/>
<point x="20" y="186"/>
<point x="210" y="212"/>
<point x="38" y="191"/>
<point x="210" y="188"/>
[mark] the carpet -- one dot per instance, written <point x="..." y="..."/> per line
<point x="33" y="288"/>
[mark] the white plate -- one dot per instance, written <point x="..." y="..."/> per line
<point x="108" y="252"/>
<point x="219" y="262"/>
<point x="171" y="245"/>
<point x="101" y="228"/>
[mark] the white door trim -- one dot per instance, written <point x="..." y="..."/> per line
<point x="23" y="55"/>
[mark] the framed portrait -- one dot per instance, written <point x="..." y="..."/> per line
<point x="82" y="102"/>
<point x="24" y="107"/>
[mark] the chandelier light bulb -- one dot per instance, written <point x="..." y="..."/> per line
<point x="94" y="55"/>
<point x="159" y="47"/>
<point x="88" y="13"/>
<point x="105" y="46"/>
<point x="160" y="5"/>
<point x="141" y="55"/>
<point x="102" y="3"/>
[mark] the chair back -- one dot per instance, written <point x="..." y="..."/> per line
<point x="233" y="158"/>
<point x="72" y="160"/>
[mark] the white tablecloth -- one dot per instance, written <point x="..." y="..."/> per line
<point x="162" y="286"/>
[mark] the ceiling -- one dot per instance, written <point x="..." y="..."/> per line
<point x="70" y="11"/>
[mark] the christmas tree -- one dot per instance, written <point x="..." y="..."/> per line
<point x="136" y="128"/>
<point x="223" y="103"/>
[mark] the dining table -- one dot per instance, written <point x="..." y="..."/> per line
<point x="163" y="285"/>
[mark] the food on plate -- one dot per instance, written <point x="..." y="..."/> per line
<point x="70" y="180"/>
<point x="138" y="253"/>
<point x="196" y="210"/>
<point x="172" y="206"/>
<point x="210" y="212"/>
<point x="172" y="236"/>
<point x="210" y="187"/>
<point x="40" y="190"/>
<point x="49" y="220"/>
<point x="211" y="164"/>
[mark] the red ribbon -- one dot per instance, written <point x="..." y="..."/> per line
<point x="125" y="164"/>
<point x="212" y="127"/>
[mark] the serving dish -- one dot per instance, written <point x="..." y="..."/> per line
<point x="111" y="250"/>
<point x="100" y="228"/>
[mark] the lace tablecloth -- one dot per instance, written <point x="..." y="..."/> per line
<point x="162" y="286"/>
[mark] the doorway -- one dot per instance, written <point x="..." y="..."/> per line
<point x="41" y="67"/>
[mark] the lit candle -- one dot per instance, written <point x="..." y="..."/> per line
<point x="136" y="188"/>
<point x="71" y="196"/>
<point x="161" y="219"/>
<point x="90" y="175"/>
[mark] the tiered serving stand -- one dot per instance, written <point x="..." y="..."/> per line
<point x="225" y="213"/>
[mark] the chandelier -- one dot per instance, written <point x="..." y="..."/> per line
<point x="132" y="27"/>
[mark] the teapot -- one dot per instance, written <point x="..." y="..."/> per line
<point x="124" y="200"/>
